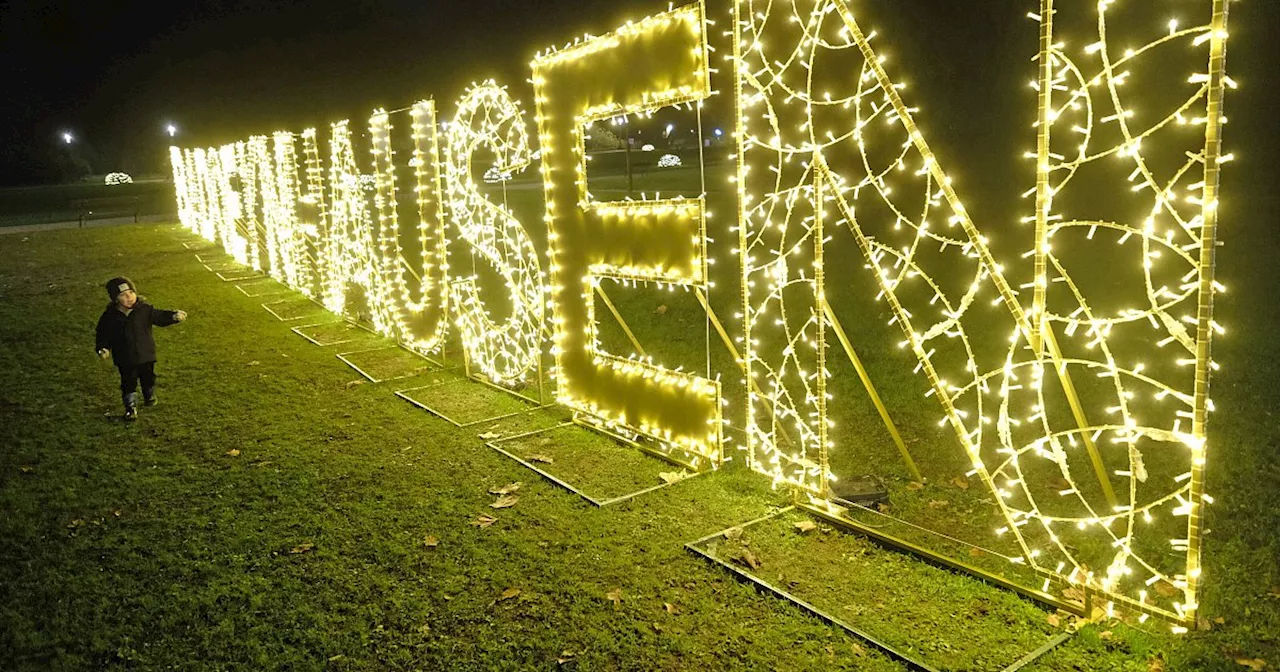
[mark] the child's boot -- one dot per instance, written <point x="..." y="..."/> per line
<point x="131" y="406"/>
<point x="149" y="397"/>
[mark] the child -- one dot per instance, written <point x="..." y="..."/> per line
<point x="124" y="334"/>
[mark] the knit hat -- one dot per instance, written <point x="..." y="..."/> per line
<point x="117" y="285"/>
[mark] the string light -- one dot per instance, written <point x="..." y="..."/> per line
<point x="507" y="352"/>
<point x="814" y="162"/>
<point x="645" y="65"/>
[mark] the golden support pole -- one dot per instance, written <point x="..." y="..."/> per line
<point x="871" y="391"/>
<point x="1077" y="410"/>
<point x="1204" y="312"/>
<point x="1044" y="194"/>
<point x="621" y="322"/>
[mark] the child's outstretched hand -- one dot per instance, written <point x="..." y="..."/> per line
<point x="104" y="353"/>
<point x="181" y="315"/>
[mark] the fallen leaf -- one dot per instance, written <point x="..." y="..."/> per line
<point x="858" y="650"/>
<point x="1105" y="635"/>
<point x="673" y="476"/>
<point x="508" y="594"/>
<point x="976" y="552"/>
<point x="1255" y="664"/>
<point x="961" y="482"/>
<point x="660" y="310"/>
<point x="489" y="436"/>
<point x="75" y="523"/>
<point x="484" y="520"/>
<point x="1274" y="593"/>
<point x="116" y="513"/>
<point x="234" y="452"/>
<point x="749" y="559"/>
<point x="882" y="507"/>
<point x="254" y="363"/>
<point x="939" y="504"/>
<point x="566" y="657"/>
<point x="1155" y="665"/>
<point x="353" y="383"/>
<point x="26" y="470"/>
<point x="614" y="596"/>
<point x="301" y="548"/>
<point x="1061" y="483"/>
<point x="424" y="628"/>
<point x="431" y="541"/>
<point x="539" y="457"/>
<point x="1053" y="620"/>
<point x="1166" y="589"/>
<point x="1220" y="620"/>
<point x="733" y="533"/>
<point x="506" y="489"/>
<point x="505" y="502"/>
<point x="806" y="526"/>
<point x="915" y="485"/>
<point x="671" y="608"/>
<point x="1074" y="594"/>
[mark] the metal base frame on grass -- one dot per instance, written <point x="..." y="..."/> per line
<point x="914" y="662"/>
<point x="403" y="394"/>
<point x="267" y="307"/>
<point x="324" y="344"/>
<point x="496" y="445"/>
<point x="275" y="290"/>
<point x="344" y="357"/>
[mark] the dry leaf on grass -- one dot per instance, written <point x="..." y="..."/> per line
<point x="1255" y="664"/>
<point x="353" y="383"/>
<point x="733" y="533"/>
<point x="660" y="310"/>
<point x="961" y="482"/>
<point x="915" y="485"/>
<point x="539" y="457"/>
<point x="1274" y="593"/>
<point x="614" y="596"/>
<point x="1155" y="665"/>
<point x="749" y="559"/>
<point x="806" y="526"/>
<point x="301" y="548"/>
<point x="424" y="628"/>
<point x="484" y="520"/>
<point x="508" y="594"/>
<point x="234" y="452"/>
<point x="489" y="436"/>
<point x="1166" y="589"/>
<point x="1105" y="635"/>
<point x="431" y="541"/>
<point x="1053" y="620"/>
<point x="673" y="476"/>
<point x="24" y="469"/>
<point x="976" y="552"/>
<point x="506" y="489"/>
<point x="671" y="608"/>
<point x="505" y="502"/>
<point x="858" y="650"/>
<point x="565" y="657"/>
<point x="939" y="504"/>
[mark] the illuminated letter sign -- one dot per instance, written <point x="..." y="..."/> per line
<point x="646" y="65"/>
<point x="505" y="352"/>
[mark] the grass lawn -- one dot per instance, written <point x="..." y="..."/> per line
<point x="279" y="510"/>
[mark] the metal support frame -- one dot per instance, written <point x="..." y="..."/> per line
<point x="298" y="330"/>
<point x="834" y="323"/>
<point x="403" y="394"/>
<point x="912" y="661"/>
<point x="267" y="307"/>
<point x="344" y="357"/>
<point x="595" y="501"/>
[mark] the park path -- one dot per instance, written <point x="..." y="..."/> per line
<point x="76" y="224"/>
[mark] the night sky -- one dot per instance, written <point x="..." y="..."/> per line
<point x="115" y="73"/>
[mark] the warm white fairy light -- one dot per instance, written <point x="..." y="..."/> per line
<point x="658" y="61"/>
<point x="811" y="158"/>
<point x="507" y="351"/>
<point x="411" y="263"/>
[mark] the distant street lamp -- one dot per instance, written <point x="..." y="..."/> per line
<point x="172" y="130"/>
<point x="67" y="137"/>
